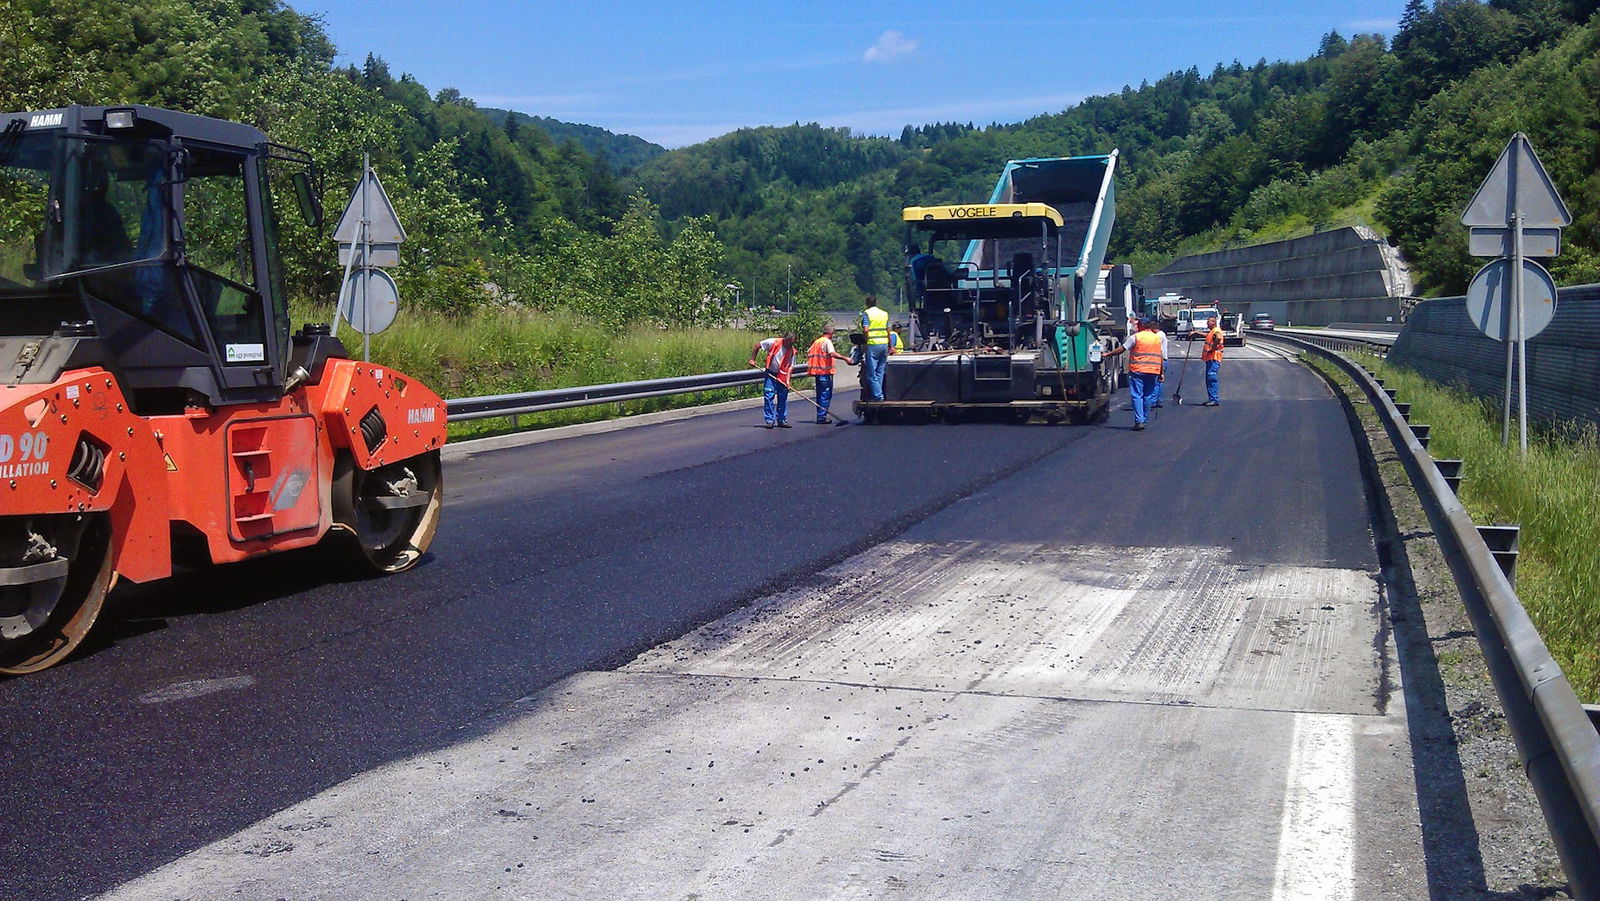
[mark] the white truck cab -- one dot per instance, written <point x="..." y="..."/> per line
<point x="1192" y="322"/>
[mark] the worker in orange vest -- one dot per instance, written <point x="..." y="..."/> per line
<point x="819" y="365"/>
<point x="1212" y="357"/>
<point x="1147" y="357"/>
<point x="775" y="388"/>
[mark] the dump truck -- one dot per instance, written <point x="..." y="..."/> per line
<point x="155" y="408"/>
<point x="1001" y="300"/>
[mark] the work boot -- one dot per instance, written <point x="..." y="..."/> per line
<point x="768" y="425"/>
<point x="783" y="425"/>
<point x="1138" y="427"/>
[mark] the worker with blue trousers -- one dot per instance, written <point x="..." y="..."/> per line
<point x="779" y="366"/>
<point x="1147" y="357"/>
<point x="875" y="322"/>
<point x="1212" y="357"/>
<point x="1154" y="401"/>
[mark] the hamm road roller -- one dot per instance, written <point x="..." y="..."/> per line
<point x="155" y="405"/>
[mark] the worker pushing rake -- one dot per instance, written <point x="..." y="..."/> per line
<point x="779" y="366"/>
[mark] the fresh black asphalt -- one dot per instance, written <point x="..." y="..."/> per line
<point x="212" y="700"/>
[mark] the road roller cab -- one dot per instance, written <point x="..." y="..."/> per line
<point x="154" y="404"/>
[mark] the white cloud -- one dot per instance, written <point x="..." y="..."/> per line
<point x="891" y="44"/>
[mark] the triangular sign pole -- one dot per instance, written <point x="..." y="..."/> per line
<point x="1518" y="179"/>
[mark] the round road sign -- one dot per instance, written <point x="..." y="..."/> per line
<point x="1489" y="300"/>
<point x="369" y="300"/>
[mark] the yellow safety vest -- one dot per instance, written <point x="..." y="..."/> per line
<point x="877" y="326"/>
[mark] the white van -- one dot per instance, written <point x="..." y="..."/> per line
<point x="1192" y="322"/>
<point x="1232" y="329"/>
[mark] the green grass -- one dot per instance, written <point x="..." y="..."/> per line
<point x="1554" y="495"/>
<point x="506" y="352"/>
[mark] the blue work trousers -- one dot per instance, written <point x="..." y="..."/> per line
<point x="1155" y="396"/>
<point x="1141" y="388"/>
<point x="1211" y="380"/>
<point x="877" y="357"/>
<point x="774" y="401"/>
<point x="824" y="395"/>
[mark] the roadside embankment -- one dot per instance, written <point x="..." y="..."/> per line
<point x="1553" y="495"/>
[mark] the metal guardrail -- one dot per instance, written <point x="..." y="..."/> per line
<point x="1555" y="737"/>
<point x="492" y="405"/>
<point x="1342" y="343"/>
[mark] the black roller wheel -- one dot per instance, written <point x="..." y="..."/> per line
<point x="55" y="572"/>
<point x="391" y="512"/>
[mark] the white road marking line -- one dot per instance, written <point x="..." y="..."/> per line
<point x="1316" y="842"/>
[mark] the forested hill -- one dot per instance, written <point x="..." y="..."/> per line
<point x="508" y="208"/>
<point x="1392" y="133"/>
<point x="624" y="152"/>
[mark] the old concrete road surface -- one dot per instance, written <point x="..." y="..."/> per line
<point x="968" y="662"/>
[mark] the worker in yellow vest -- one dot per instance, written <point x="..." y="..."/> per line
<point x="819" y="365"/>
<point x="875" y="322"/>
<point x="1212" y="357"/>
<point x="1147" y="357"/>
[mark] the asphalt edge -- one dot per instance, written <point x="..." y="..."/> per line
<point x="461" y="450"/>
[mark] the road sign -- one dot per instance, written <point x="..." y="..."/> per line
<point x="380" y="241"/>
<point x="1517" y="182"/>
<point x="1489" y="301"/>
<point x="1497" y="242"/>
<point x="369" y="300"/>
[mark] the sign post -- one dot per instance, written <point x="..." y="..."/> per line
<point x="370" y="229"/>
<point x="1516" y="198"/>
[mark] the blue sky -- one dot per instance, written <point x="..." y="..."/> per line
<point x="678" y="73"/>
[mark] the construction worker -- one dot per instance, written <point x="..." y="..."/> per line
<point x="875" y="322"/>
<point x="1212" y="357"/>
<point x="819" y="364"/>
<point x="1153" y="402"/>
<point x="1147" y="356"/>
<point x="896" y="343"/>
<point x="775" y="389"/>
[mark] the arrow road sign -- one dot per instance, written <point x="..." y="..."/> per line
<point x="1517" y="182"/>
<point x="1489" y="301"/>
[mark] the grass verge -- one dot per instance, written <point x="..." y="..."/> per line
<point x="1554" y="495"/>
<point x="508" y="352"/>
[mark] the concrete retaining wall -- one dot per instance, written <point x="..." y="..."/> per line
<point x="1343" y="274"/>
<point x="1440" y="342"/>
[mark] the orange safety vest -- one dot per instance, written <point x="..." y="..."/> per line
<point x="1213" y="349"/>
<point x="1146" y="355"/>
<point x="780" y="360"/>
<point x="819" y="359"/>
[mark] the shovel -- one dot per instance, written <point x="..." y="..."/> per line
<point x="1177" y="396"/>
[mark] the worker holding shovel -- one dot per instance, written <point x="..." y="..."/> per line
<point x="775" y="390"/>
<point x="819" y="365"/>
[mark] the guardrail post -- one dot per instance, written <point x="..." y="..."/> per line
<point x="1594" y="714"/>
<point x="1451" y="470"/>
<point x="1392" y="392"/>
<point x="1422" y="432"/>
<point x="1405" y="410"/>
<point x="1505" y="545"/>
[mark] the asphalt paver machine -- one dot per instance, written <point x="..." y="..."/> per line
<point x="1001" y="300"/>
<point x="155" y="408"/>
